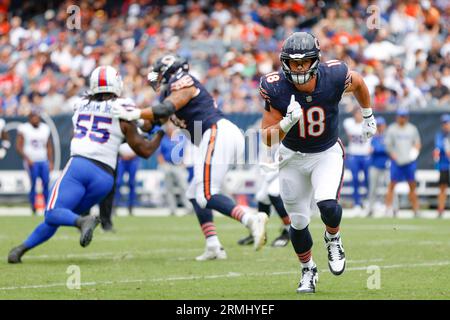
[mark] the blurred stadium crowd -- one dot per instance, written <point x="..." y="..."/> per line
<point x="404" y="56"/>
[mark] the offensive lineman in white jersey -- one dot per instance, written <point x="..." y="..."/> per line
<point x="89" y="175"/>
<point x="358" y="154"/>
<point x="35" y="146"/>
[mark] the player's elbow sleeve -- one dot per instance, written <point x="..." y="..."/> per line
<point x="163" y="110"/>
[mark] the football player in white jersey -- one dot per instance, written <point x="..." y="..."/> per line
<point x="35" y="146"/>
<point x="358" y="154"/>
<point x="88" y="177"/>
<point x="4" y="139"/>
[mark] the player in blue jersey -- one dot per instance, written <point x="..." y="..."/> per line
<point x="88" y="177"/>
<point x="441" y="159"/>
<point x="379" y="161"/>
<point x="302" y="111"/>
<point x="219" y="144"/>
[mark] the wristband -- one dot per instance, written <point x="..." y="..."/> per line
<point x="366" y="112"/>
<point x="286" y="125"/>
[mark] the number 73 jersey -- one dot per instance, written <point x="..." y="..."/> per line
<point x="319" y="128"/>
<point x="97" y="134"/>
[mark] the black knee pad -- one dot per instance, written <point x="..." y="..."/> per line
<point x="330" y="212"/>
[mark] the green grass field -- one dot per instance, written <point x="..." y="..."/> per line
<point x="153" y="258"/>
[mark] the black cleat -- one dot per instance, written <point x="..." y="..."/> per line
<point x="246" y="241"/>
<point x="282" y="240"/>
<point x="108" y="227"/>
<point x="87" y="225"/>
<point x="15" y="255"/>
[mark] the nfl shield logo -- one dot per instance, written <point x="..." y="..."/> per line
<point x="308" y="99"/>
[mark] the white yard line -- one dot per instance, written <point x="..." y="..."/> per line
<point x="106" y="254"/>
<point x="218" y="276"/>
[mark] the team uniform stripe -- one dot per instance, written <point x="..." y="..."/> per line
<point x="207" y="225"/>
<point x="237" y="213"/>
<point x="102" y="78"/>
<point x="341" y="183"/>
<point x="55" y="191"/>
<point x="209" y="229"/>
<point x="331" y="230"/>
<point x="305" y="256"/>
<point x="207" y="167"/>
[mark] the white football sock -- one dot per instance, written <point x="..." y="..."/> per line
<point x="309" y="264"/>
<point x="213" y="241"/>
<point x="331" y="236"/>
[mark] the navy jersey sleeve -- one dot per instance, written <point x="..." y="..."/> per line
<point x="264" y="93"/>
<point x="269" y="89"/>
<point x="338" y="71"/>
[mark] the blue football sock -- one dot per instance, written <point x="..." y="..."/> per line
<point x="42" y="233"/>
<point x="61" y="217"/>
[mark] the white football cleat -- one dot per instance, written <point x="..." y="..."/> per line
<point x="212" y="253"/>
<point x="336" y="255"/>
<point x="307" y="284"/>
<point x="257" y="226"/>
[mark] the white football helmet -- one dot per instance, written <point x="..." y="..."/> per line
<point x="105" y="79"/>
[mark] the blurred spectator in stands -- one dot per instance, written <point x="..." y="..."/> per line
<point x="223" y="38"/>
<point x="440" y="92"/>
<point x="53" y="101"/>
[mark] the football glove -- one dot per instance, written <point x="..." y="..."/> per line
<point x="369" y="124"/>
<point x="121" y="112"/>
<point x="293" y="115"/>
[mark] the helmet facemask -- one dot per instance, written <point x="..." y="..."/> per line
<point x="299" y="77"/>
<point x="164" y="68"/>
<point x="154" y="79"/>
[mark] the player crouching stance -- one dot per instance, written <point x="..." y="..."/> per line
<point x="302" y="111"/>
<point x="88" y="177"/>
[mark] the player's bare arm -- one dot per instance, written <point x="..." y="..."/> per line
<point x="270" y="125"/>
<point x="355" y="84"/>
<point x="19" y="148"/>
<point x="143" y="147"/>
<point x="50" y="153"/>
<point x="175" y="101"/>
<point x="5" y="136"/>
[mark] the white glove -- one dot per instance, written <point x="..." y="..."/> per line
<point x="121" y="112"/>
<point x="2" y="153"/>
<point x="293" y="115"/>
<point x="369" y="127"/>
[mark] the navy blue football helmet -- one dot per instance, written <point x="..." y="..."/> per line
<point x="299" y="46"/>
<point x="163" y="69"/>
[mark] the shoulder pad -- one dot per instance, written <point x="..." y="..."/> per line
<point x="180" y="81"/>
